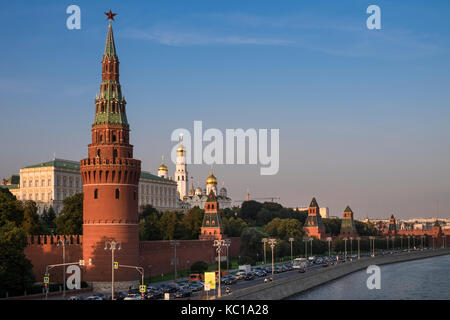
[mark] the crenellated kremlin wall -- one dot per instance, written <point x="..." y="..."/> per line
<point x="154" y="256"/>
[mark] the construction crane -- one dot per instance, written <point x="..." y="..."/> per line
<point x="248" y="198"/>
<point x="268" y="198"/>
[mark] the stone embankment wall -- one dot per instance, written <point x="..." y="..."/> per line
<point x="287" y="287"/>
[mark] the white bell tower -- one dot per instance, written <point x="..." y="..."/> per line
<point x="181" y="174"/>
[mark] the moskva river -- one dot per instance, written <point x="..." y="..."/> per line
<point x="425" y="279"/>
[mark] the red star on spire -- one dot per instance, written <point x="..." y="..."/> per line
<point x="110" y="15"/>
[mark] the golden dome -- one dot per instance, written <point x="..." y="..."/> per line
<point x="211" y="179"/>
<point x="163" y="167"/>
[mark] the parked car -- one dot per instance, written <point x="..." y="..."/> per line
<point x="230" y="280"/>
<point x="94" y="298"/>
<point x="154" y="295"/>
<point x="133" y="296"/>
<point x="240" y="275"/>
<point x="183" y="293"/>
<point x="249" y="276"/>
<point x="302" y="270"/>
<point x="260" y="273"/>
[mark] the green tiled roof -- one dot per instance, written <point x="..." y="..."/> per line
<point x="10" y="186"/>
<point x="73" y="165"/>
<point x="58" y="163"/>
<point x="148" y="175"/>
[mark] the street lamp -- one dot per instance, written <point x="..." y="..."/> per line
<point x="387" y="242"/>
<point x="63" y="243"/>
<point x="422" y="237"/>
<point x="351" y="246"/>
<point x="227" y="245"/>
<point x="174" y="244"/>
<point x="409" y="250"/>
<point x="345" y="248"/>
<point x="372" y="244"/>
<point x="113" y="246"/>
<point x="306" y="247"/>
<point x="219" y="244"/>
<point x="272" y="243"/>
<point x="329" y="246"/>
<point x="264" y="241"/>
<point x="359" y="239"/>
<point x="311" y="239"/>
<point x="291" y="240"/>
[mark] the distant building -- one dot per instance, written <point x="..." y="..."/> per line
<point x="314" y="226"/>
<point x="324" y="211"/>
<point x="348" y="228"/>
<point x="49" y="183"/>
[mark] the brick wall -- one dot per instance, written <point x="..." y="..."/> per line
<point x="43" y="251"/>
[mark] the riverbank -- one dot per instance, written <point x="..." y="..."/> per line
<point x="285" y="288"/>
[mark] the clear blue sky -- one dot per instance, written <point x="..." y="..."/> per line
<point x="363" y="114"/>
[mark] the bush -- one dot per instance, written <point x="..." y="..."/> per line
<point x="199" y="267"/>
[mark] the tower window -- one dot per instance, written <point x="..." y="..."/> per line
<point x="96" y="194"/>
<point x="117" y="193"/>
<point x="115" y="153"/>
<point x="98" y="150"/>
<point x="114" y="138"/>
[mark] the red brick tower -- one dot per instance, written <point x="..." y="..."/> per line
<point x="212" y="225"/>
<point x="314" y="226"/>
<point x="348" y="228"/>
<point x="110" y="182"/>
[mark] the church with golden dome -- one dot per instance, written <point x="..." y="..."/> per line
<point x="195" y="196"/>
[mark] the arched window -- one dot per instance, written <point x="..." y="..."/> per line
<point x="114" y="138"/>
<point x="117" y="193"/>
<point x="98" y="150"/>
<point x="96" y="194"/>
<point x="115" y="153"/>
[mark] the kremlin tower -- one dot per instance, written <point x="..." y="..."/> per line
<point x="110" y="182"/>
<point x="348" y="228"/>
<point x="212" y="225"/>
<point x="314" y="226"/>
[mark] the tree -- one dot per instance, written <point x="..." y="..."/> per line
<point x="284" y="228"/>
<point x="199" y="267"/>
<point x="31" y="224"/>
<point x="249" y="210"/>
<point x="192" y="222"/>
<point x="148" y="210"/>
<point x="10" y="208"/>
<point x="70" y="219"/>
<point x="16" y="271"/>
<point x="48" y="220"/>
<point x="169" y="225"/>
<point x="251" y="244"/>
<point x="233" y="227"/>
<point x="150" y="227"/>
<point x="332" y="226"/>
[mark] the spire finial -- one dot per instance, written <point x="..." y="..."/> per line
<point x="162" y="159"/>
<point x="110" y="15"/>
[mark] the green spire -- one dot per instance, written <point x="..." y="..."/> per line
<point x="348" y="209"/>
<point x="110" y="102"/>
<point x="110" y="47"/>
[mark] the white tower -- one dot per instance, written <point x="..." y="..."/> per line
<point x="181" y="174"/>
<point x="163" y="172"/>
